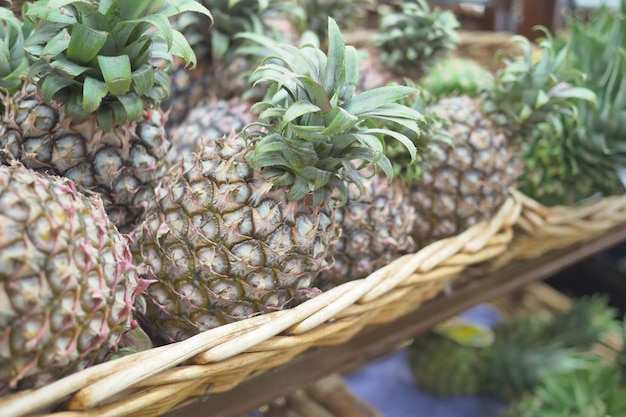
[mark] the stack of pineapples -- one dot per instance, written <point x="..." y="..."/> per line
<point x="134" y="188"/>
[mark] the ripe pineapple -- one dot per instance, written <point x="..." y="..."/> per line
<point x="220" y="71"/>
<point x="461" y="185"/>
<point x="375" y="230"/>
<point x="214" y="118"/>
<point x="93" y="116"/>
<point x="245" y="225"/>
<point x="408" y="43"/>
<point x="584" y="158"/>
<point x="67" y="282"/>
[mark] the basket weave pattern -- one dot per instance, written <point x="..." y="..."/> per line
<point x="155" y="381"/>
<point x="540" y="229"/>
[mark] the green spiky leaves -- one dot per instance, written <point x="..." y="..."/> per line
<point x="537" y="89"/>
<point x="315" y="132"/>
<point x="412" y="40"/>
<point x="215" y="44"/>
<point x="101" y="56"/>
<point x="13" y="62"/>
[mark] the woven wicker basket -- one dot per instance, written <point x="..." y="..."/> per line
<point x="154" y="382"/>
<point x="540" y="229"/>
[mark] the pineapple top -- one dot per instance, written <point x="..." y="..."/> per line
<point x="13" y="62"/>
<point x="101" y="56"/>
<point x="317" y="11"/>
<point x="535" y="91"/>
<point x="314" y="132"/>
<point x="215" y="44"/>
<point x="412" y="40"/>
<point x="598" y="48"/>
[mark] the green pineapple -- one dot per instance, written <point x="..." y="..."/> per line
<point x="445" y="368"/>
<point x="585" y="155"/>
<point x="245" y="225"/>
<point x="67" y="282"/>
<point x="467" y="182"/>
<point x="92" y="113"/>
<point x="221" y="71"/>
<point x="523" y="352"/>
<point x="408" y="43"/>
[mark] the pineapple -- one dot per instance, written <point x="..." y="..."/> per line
<point x="220" y="71"/>
<point x="67" y="282"/>
<point x="523" y="352"/>
<point x="375" y="230"/>
<point x="214" y="118"/>
<point x="246" y="224"/>
<point x="467" y="182"/>
<point x="91" y="113"/>
<point x="585" y="157"/>
<point x="408" y="43"/>
<point x="444" y="368"/>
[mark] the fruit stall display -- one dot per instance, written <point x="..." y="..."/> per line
<point x="195" y="192"/>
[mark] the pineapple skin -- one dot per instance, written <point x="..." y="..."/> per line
<point x="223" y="244"/>
<point x="215" y="118"/>
<point x="67" y="282"/>
<point x="465" y="183"/>
<point x="444" y="368"/>
<point x="123" y="165"/>
<point x="376" y="229"/>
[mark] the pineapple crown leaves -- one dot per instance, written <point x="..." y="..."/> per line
<point x="588" y="391"/>
<point x="13" y="62"/>
<point x="100" y="56"/>
<point x="412" y="40"/>
<point x="534" y="90"/>
<point x="432" y="130"/>
<point x="215" y="44"/>
<point x="315" y="131"/>
<point x="598" y="48"/>
<point x="316" y="14"/>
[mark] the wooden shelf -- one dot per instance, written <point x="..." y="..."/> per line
<point x="377" y="341"/>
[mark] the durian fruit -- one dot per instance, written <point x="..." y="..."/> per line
<point x="245" y="225"/>
<point x="91" y="112"/>
<point x="67" y="282"/>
